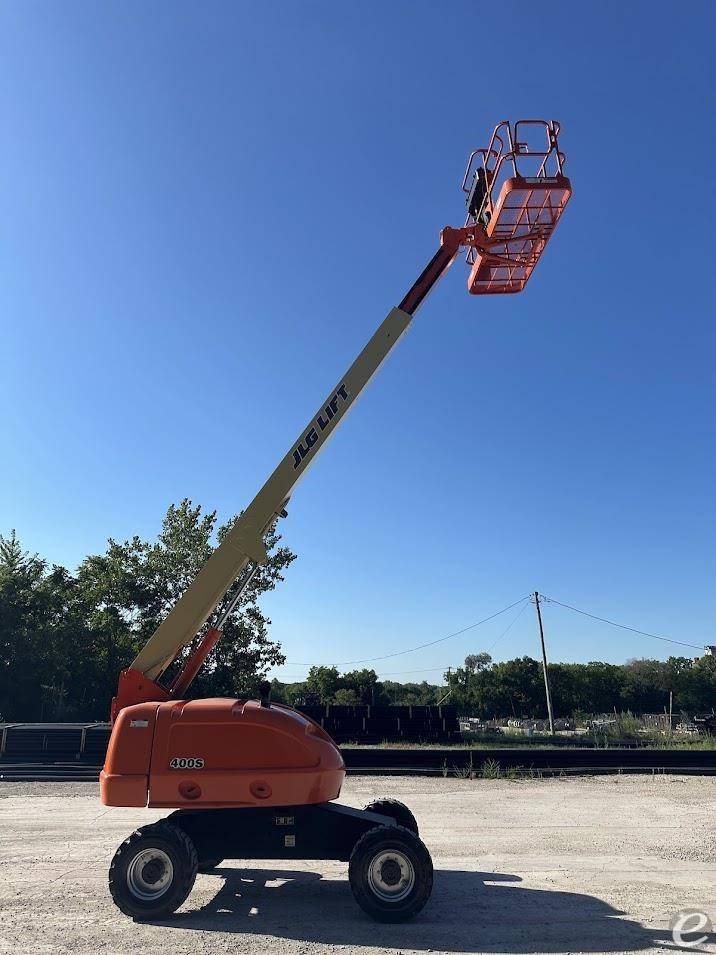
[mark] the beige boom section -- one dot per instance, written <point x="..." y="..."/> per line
<point x="245" y="541"/>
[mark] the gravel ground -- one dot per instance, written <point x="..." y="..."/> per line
<point x="553" y="865"/>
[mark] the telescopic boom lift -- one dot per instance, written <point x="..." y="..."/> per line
<point x="255" y="780"/>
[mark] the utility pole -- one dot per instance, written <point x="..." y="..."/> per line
<point x="449" y="688"/>
<point x="671" y="712"/>
<point x="544" y="665"/>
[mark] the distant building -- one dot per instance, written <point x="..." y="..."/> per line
<point x="710" y="651"/>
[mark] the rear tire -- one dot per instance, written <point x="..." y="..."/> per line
<point x="153" y="872"/>
<point x="396" y="810"/>
<point x="390" y="873"/>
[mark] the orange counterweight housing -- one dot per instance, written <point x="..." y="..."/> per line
<point x="218" y="753"/>
<point x="124" y="781"/>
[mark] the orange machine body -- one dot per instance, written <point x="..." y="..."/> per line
<point x="218" y="753"/>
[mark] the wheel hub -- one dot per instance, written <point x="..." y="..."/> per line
<point x="390" y="872"/>
<point x="391" y="875"/>
<point x="152" y="872"/>
<point x="149" y="874"/>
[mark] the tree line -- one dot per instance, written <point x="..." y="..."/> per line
<point x="515" y="688"/>
<point x="64" y="637"/>
<point x="324" y="684"/>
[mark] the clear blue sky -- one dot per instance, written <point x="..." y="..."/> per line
<point x="207" y="208"/>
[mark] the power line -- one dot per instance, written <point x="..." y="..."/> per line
<point x="622" y="626"/>
<point x="504" y="633"/>
<point x="525" y="601"/>
<point x="509" y="626"/>
<point x="422" y="646"/>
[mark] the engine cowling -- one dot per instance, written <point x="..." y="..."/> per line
<point x="217" y="753"/>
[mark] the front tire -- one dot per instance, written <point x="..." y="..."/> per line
<point x="390" y="873"/>
<point x="153" y="872"/>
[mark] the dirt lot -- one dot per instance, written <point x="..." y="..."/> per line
<point x="555" y="865"/>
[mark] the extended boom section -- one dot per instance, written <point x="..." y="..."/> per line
<point x="252" y="778"/>
<point x="245" y="541"/>
<point x="505" y="255"/>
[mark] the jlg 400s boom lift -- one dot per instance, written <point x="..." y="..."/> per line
<point x="252" y="779"/>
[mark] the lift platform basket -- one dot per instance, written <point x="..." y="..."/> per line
<point x="516" y="193"/>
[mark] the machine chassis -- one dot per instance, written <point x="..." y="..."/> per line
<point x="390" y="870"/>
<point x="321" y="831"/>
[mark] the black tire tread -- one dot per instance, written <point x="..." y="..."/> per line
<point x="365" y="849"/>
<point x="396" y="810"/>
<point x="184" y="878"/>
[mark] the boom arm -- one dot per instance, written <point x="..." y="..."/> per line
<point x="508" y="224"/>
<point x="245" y="541"/>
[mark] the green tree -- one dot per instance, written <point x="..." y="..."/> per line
<point x="693" y="682"/>
<point x="362" y="683"/>
<point x="469" y="685"/>
<point x="408" y="694"/>
<point x="64" y="638"/>
<point x="645" y="686"/>
<point x="321" y="685"/>
<point x="475" y="662"/>
<point x="36" y="619"/>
